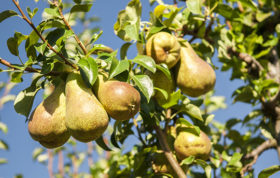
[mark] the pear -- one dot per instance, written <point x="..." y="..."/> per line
<point x="161" y="81"/>
<point x="85" y="116"/>
<point x="47" y="122"/>
<point x="194" y="76"/>
<point x="163" y="47"/>
<point x="188" y="144"/>
<point x="120" y="99"/>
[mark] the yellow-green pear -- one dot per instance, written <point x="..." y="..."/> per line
<point x="47" y="122"/>
<point x="163" y="47"/>
<point x="120" y="99"/>
<point x="86" y="118"/>
<point x="161" y="81"/>
<point x="188" y="144"/>
<point x="194" y="76"/>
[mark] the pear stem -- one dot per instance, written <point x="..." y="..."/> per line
<point x="168" y="154"/>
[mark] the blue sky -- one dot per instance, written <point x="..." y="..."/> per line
<point x="20" y="143"/>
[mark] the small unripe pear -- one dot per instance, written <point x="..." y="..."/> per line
<point x="164" y="48"/>
<point x="47" y="122"/>
<point x="188" y="144"/>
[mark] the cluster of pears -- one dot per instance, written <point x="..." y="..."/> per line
<point x="193" y="75"/>
<point x="73" y="109"/>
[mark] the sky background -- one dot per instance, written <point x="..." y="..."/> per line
<point x="20" y="143"/>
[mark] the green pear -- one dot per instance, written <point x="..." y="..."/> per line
<point x="85" y="116"/>
<point x="163" y="47"/>
<point x="161" y="81"/>
<point x="47" y="122"/>
<point x="120" y="99"/>
<point x="188" y="144"/>
<point x="194" y="76"/>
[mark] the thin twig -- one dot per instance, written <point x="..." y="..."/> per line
<point x="89" y="153"/>
<point x="272" y="143"/>
<point x="168" y="154"/>
<point x="139" y="133"/>
<point x="60" y="163"/>
<point x="70" y="28"/>
<point x="40" y="35"/>
<point x="50" y="163"/>
<point x="27" y="69"/>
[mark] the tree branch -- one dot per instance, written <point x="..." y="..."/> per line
<point x="168" y="154"/>
<point x="272" y="143"/>
<point x="42" y="38"/>
<point x="139" y="133"/>
<point x="70" y="28"/>
<point x="27" y="69"/>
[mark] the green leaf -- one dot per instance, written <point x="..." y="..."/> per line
<point x="77" y="1"/>
<point x="24" y="100"/>
<point x="172" y="100"/>
<point x="52" y="11"/>
<point x="19" y="37"/>
<point x="207" y="168"/>
<point x="269" y="171"/>
<point x="100" y="142"/>
<point x="3" y="161"/>
<point x="227" y="11"/>
<point x="193" y="111"/>
<point x="164" y="69"/>
<point x="187" y="161"/>
<point x="113" y="136"/>
<point x="6" y="14"/>
<point x="146" y="61"/>
<point x="37" y="152"/>
<point x="40" y="47"/>
<point x="3" y="127"/>
<point x="30" y="13"/>
<point x="124" y="49"/>
<point x="89" y="69"/>
<point x="194" y="6"/>
<point x="13" y="46"/>
<point x="118" y="68"/>
<point x="16" y="77"/>
<point x="186" y="126"/>
<point x="95" y="37"/>
<point x="3" y="145"/>
<point x="163" y="92"/>
<point x="128" y="22"/>
<point x="145" y="84"/>
<point x="81" y="8"/>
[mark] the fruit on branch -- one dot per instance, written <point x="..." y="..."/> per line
<point x="160" y="164"/>
<point x="161" y="81"/>
<point x="163" y="47"/>
<point x="194" y="76"/>
<point x="120" y="99"/>
<point x="47" y="122"/>
<point x="85" y="116"/>
<point x="188" y="144"/>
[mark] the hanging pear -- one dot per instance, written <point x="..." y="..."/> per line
<point x="188" y="144"/>
<point x="163" y="47"/>
<point x="85" y="116"/>
<point x="194" y="76"/>
<point x="120" y="99"/>
<point x="47" y="122"/>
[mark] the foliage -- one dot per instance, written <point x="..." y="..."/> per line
<point x="244" y="35"/>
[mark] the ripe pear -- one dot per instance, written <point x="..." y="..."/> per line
<point x="160" y="80"/>
<point x="188" y="144"/>
<point x="194" y="76"/>
<point x="85" y="116"/>
<point x="120" y="99"/>
<point x="47" y="122"/>
<point x="163" y="47"/>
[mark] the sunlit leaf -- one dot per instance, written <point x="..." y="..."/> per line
<point x="145" y="84"/>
